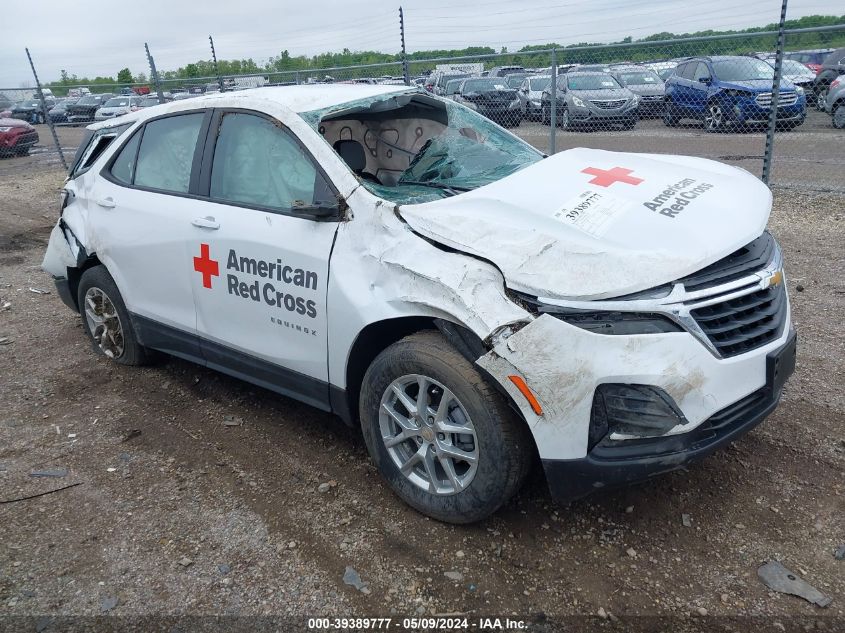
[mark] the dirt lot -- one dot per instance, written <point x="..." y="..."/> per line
<point x="177" y="511"/>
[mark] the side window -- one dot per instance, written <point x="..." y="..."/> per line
<point x="167" y="152"/>
<point x="256" y="162"/>
<point x="689" y="70"/>
<point x="123" y="167"/>
<point x="701" y="72"/>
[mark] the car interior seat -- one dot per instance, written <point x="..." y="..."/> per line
<point x="352" y="152"/>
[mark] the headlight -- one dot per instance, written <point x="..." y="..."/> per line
<point x="799" y="90"/>
<point x="578" y="102"/>
<point x="636" y="100"/>
<point x="5" y="129"/>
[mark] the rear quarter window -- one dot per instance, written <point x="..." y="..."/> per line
<point x="93" y="144"/>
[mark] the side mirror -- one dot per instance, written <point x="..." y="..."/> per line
<point x="319" y="211"/>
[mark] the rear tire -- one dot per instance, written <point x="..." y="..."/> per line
<point x="106" y="320"/>
<point x="409" y="447"/>
<point x="670" y="115"/>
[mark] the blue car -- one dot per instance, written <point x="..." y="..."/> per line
<point x="730" y="93"/>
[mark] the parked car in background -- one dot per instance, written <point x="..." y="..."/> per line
<point x="530" y="96"/>
<point x="835" y="102"/>
<point x="6" y="105"/>
<point x="118" y="106"/>
<point x="514" y="80"/>
<point x="504" y="71"/>
<point x="16" y="137"/>
<point x="453" y="86"/>
<point x="58" y="113"/>
<point x="148" y="102"/>
<point x="491" y="97"/>
<point x="646" y="84"/>
<point x="31" y="110"/>
<point x="590" y="68"/>
<point x="832" y="67"/>
<point x="799" y="75"/>
<point x="441" y="78"/>
<point x="730" y="93"/>
<point x="591" y="99"/>
<point x="664" y="68"/>
<point x="83" y="111"/>
<point x="812" y="59"/>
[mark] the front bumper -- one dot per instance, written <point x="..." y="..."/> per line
<point x="750" y="113"/>
<point x="596" y="116"/>
<point x="614" y="464"/>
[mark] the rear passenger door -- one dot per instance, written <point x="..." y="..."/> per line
<point x="140" y="211"/>
<point x="261" y="249"/>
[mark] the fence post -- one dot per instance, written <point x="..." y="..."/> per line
<point x="773" y="114"/>
<point x="154" y="74"/>
<point x="216" y="67"/>
<point x="44" y="112"/>
<point x="553" y="104"/>
<point x="405" y="74"/>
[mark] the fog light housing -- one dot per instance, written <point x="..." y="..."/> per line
<point x="623" y="412"/>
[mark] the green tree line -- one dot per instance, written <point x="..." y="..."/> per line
<point x="291" y="68"/>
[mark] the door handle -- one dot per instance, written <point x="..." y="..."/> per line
<point x="107" y="203"/>
<point x="206" y="223"/>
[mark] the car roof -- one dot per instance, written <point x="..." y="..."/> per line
<point x="299" y="99"/>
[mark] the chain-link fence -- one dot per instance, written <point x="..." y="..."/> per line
<point x="712" y="97"/>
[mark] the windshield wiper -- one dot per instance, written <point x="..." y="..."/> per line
<point x="451" y="189"/>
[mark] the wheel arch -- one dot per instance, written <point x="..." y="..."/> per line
<point x="379" y="335"/>
<point x="75" y="274"/>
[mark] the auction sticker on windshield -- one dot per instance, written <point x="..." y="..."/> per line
<point x="593" y="212"/>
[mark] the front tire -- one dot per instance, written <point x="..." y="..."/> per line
<point x="445" y="440"/>
<point x="838" y="118"/>
<point x="670" y="116"/>
<point x="106" y="320"/>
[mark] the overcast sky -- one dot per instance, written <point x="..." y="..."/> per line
<point x="95" y="38"/>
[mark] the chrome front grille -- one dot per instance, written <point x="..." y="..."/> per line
<point x="764" y="99"/>
<point x="744" y="323"/>
<point x="608" y="104"/>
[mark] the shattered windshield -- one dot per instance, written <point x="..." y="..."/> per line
<point x="421" y="148"/>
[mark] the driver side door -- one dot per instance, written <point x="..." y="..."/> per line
<point x="261" y="243"/>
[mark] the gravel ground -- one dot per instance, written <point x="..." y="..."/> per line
<point x="199" y="494"/>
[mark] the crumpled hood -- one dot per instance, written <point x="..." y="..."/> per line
<point x="555" y="231"/>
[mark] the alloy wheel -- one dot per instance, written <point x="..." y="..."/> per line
<point x="714" y="118"/>
<point x="428" y="434"/>
<point x="104" y="322"/>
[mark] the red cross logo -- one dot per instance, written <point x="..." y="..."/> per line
<point x="207" y="266"/>
<point x="606" y="177"/>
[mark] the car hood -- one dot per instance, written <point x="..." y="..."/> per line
<point x="115" y="110"/>
<point x="14" y="123"/>
<point x="554" y="233"/>
<point x="647" y="90"/>
<point x="756" y="85"/>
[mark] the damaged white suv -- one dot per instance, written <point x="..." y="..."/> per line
<point x="399" y="260"/>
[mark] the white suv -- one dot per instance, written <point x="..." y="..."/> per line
<point x="401" y="261"/>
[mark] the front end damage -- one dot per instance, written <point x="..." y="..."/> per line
<point x="639" y="387"/>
